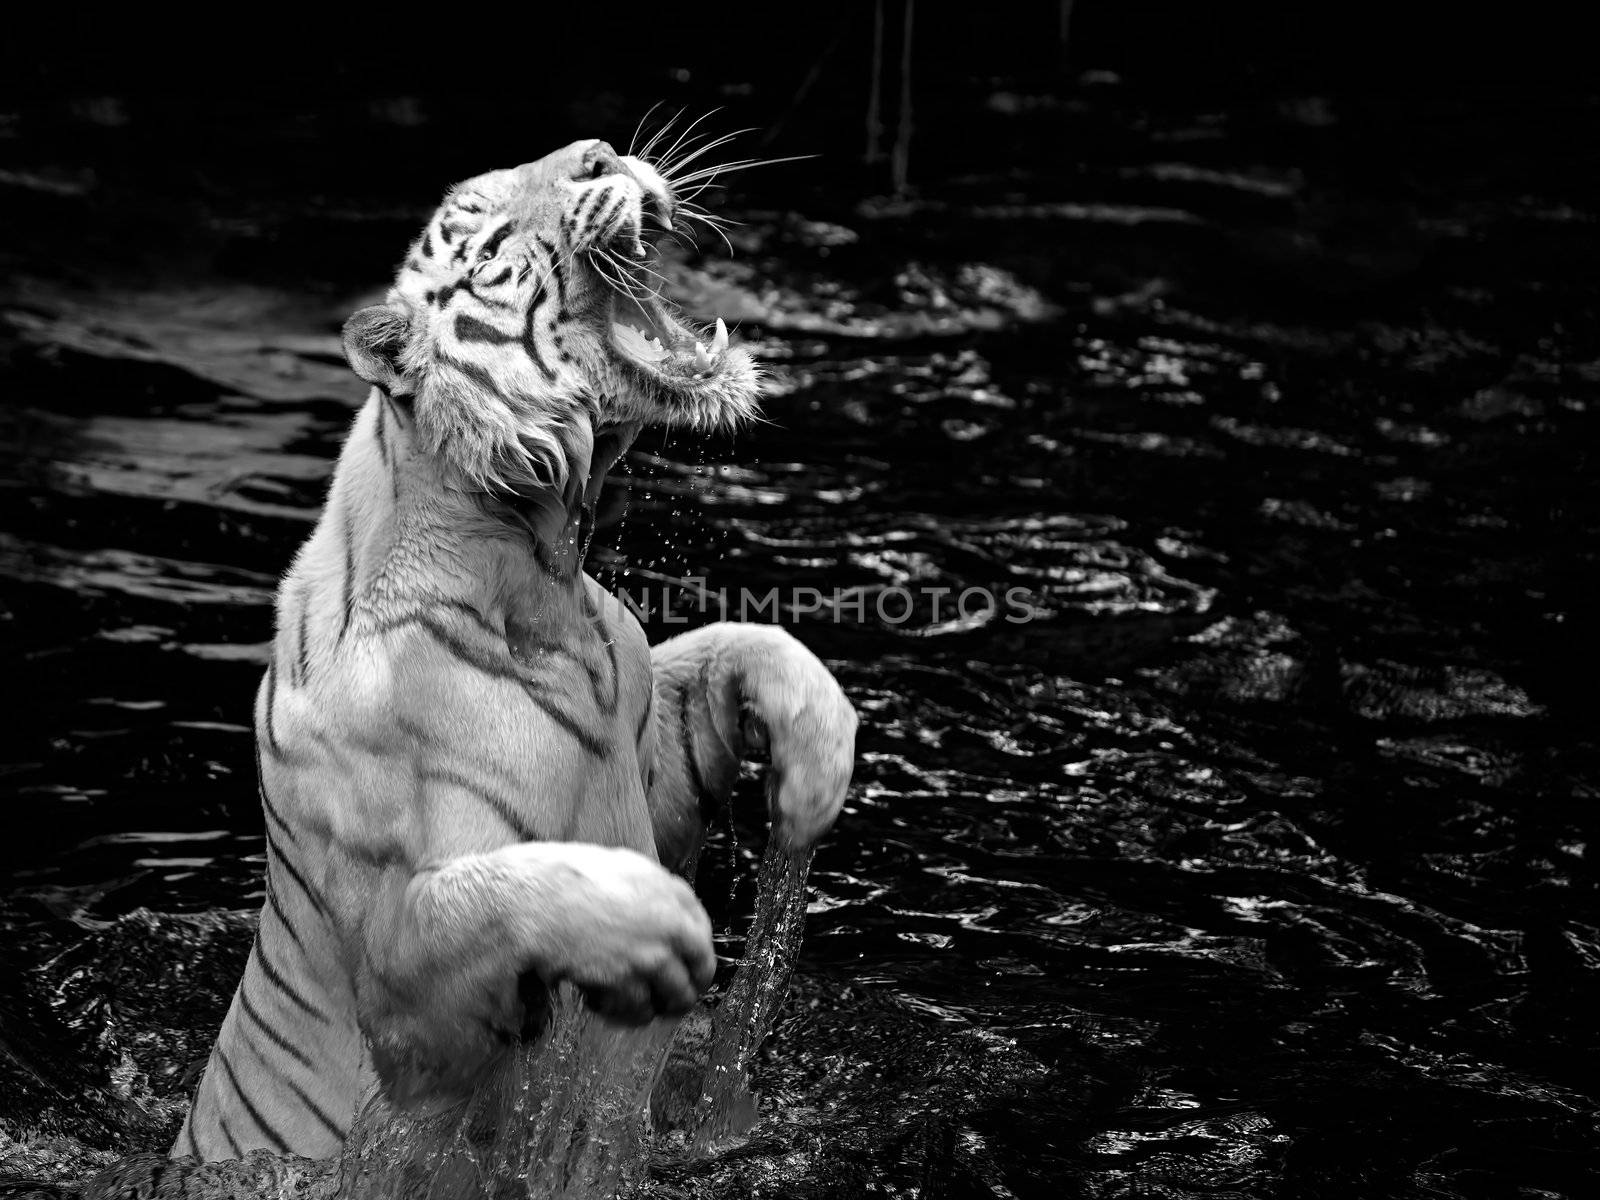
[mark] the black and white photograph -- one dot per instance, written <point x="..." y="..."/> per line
<point x="881" y="598"/>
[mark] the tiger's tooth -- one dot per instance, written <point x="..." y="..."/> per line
<point x="720" y="342"/>
<point x="702" y="360"/>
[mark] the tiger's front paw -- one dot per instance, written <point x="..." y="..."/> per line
<point x="637" y="941"/>
<point x="794" y="712"/>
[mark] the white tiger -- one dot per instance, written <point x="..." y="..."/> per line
<point x="472" y="765"/>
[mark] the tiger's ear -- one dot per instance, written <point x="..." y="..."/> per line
<point x="374" y="340"/>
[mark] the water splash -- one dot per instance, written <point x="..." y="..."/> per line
<point x="713" y="1110"/>
<point x="563" y="1116"/>
<point x="569" y="1115"/>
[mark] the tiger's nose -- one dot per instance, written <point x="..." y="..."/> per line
<point x="597" y="161"/>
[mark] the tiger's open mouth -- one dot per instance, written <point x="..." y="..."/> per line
<point x="648" y="335"/>
<point x="650" y="338"/>
<point x="681" y="373"/>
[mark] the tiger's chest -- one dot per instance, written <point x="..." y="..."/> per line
<point x="576" y="747"/>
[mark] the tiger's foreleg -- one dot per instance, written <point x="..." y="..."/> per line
<point x="446" y="947"/>
<point x="727" y="692"/>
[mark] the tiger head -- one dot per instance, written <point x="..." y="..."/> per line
<point x="524" y="322"/>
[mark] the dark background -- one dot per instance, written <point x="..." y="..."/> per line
<point x="383" y="107"/>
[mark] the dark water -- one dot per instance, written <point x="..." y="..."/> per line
<point x="1256" y="863"/>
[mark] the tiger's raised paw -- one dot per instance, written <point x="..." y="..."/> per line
<point x="636" y="940"/>
<point x="794" y="713"/>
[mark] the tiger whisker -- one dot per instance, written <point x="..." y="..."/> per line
<point x="653" y="290"/>
<point x="655" y="137"/>
<point x="743" y="164"/>
<point x="700" y="189"/>
<point x="689" y="155"/>
<point x="678" y="176"/>
<point x="639" y="128"/>
<point x="633" y="289"/>
<point x="635" y="264"/>
<point x="691" y="209"/>
<point x="700" y="213"/>
<point x="713" y="226"/>
<point x="686" y="133"/>
<point x="677" y="236"/>
<point x="615" y="284"/>
<point x="618" y="277"/>
<point x="599" y="259"/>
<point x="673" y="149"/>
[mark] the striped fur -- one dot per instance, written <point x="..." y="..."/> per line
<point x="472" y="765"/>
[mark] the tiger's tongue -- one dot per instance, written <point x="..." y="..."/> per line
<point x="636" y="344"/>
